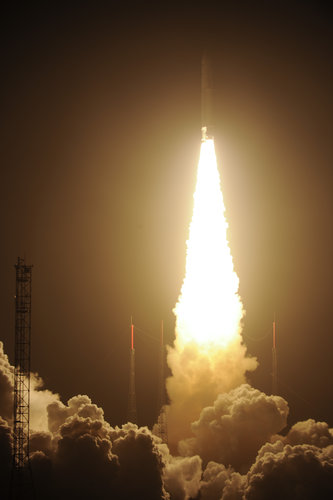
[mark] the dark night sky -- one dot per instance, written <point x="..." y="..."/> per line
<point x="100" y="136"/>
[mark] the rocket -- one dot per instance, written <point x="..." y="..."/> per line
<point x="207" y="127"/>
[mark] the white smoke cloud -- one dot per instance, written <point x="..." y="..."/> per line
<point x="310" y="432"/>
<point x="6" y="386"/>
<point x="76" y="453"/>
<point x="90" y="459"/>
<point x="198" y="376"/>
<point x="39" y="398"/>
<point x="182" y="476"/>
<point x="280" y="470"/>
<point x="83" y="463"/>
<point x="213" y="481"/>
<point x="80" y="405"/>
<point x="236" y="426"/>
<point x="290" y="472"/>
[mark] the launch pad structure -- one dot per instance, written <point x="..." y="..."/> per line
<point x="21" y="486"/>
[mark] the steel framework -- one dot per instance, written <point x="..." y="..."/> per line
<point x="21" y="481"/>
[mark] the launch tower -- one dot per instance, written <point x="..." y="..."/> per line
<point x="21" y="479"/>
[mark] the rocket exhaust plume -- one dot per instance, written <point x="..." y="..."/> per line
<point x="209" y="308"/>
<point x="208" y="356"/>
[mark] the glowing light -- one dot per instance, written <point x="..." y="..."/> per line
<point x="209" y="309"/>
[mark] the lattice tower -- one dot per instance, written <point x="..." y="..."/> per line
<point x="21" y="480"/>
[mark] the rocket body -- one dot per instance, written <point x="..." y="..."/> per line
<point x="207" y="127"/>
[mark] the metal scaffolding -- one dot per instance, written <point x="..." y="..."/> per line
<point x="21" y="480"/>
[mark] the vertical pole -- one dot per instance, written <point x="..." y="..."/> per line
<point x="161" y="401"/>
<point x="274" y="361"/>
<point x="132" y="412"/>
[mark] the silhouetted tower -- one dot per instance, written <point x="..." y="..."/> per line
<point x="162" y="429"/>
<point x="132" y="414"/>
<point x="274" y="361"/>
<point x="21" y="480"/>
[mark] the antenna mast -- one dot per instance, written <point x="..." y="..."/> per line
<point x="162" y="429"/>
<point x="274" y="361"/>
<point x="132" y="413"/>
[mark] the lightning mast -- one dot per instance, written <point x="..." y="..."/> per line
<point x="21" y="479"/>
<point x="274" y="361"/>
<point x="162" y="429"/>
<point x="132" y="413"/>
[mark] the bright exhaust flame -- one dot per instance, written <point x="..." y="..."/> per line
<point x="209" y="309"/>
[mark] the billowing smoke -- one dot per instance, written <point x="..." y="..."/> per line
<point x="236" y="426"/>
<point x="6" y="386"/>
<point x="296" y="466"/>
<point x="75" y="453"/>
<point x="235" y="451"/>
<point x="282" y="472"/>
<point x="40" y="399"/>
<point x="198" y="377"/>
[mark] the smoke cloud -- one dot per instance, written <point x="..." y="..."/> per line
<point x="288" y="472"/>
<point x="6" y="386"/>
<point x="232" y="430"/>
<point x="198" y="377"/>
<point x="39" y="398"/>
<point x="182" y="476"/>
<point x="234" y="452"/>
<point x="310" y="432"/>
<point x="80" y="455"/>
<point x="214" y="479"/>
